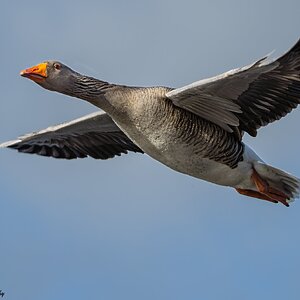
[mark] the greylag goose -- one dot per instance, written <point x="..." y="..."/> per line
<point x="196" y="130"/>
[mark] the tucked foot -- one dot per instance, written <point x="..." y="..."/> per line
<point x="264" y="188"/>
<point x="255" y="194"/>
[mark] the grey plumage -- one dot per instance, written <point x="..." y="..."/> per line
<point x="196" y="129"/>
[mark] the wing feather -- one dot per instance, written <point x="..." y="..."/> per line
<point x="95" y="135"/>
<point x="248" y="97"/>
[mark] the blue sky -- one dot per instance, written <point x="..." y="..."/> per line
<point x="130" y="228"/>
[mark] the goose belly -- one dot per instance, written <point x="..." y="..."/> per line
<point x="184" y="160"/>
<point x="167" y="147"/>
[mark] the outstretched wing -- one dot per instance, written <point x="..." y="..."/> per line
<point x="94" y="135"/>
<point x="248" y="97"/>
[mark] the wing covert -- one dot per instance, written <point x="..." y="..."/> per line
<point x="248" y="97"/>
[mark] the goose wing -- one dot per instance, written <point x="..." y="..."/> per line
<point x="94" y="135"/>
<point x="245" y="98"/>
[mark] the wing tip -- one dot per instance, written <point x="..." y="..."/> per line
<point x="9" y="144"/>
<point x="294" y="49"/>
<point x="296" y="46"/>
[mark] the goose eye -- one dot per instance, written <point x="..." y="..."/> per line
<point x="57" y="66"/>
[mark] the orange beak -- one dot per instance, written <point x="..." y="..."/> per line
<point x="37" y="73"/>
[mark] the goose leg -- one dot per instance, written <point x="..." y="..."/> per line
<point x="255" y="194"/>
<point x="264" y="192"/>
<point x="264" y="188"/>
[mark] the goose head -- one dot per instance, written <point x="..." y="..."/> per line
<point x="51" y="75"/>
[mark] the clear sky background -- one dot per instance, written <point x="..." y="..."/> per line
<point x="130" y="228"/>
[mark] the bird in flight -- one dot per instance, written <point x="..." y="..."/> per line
<point x="196" y="129"/>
